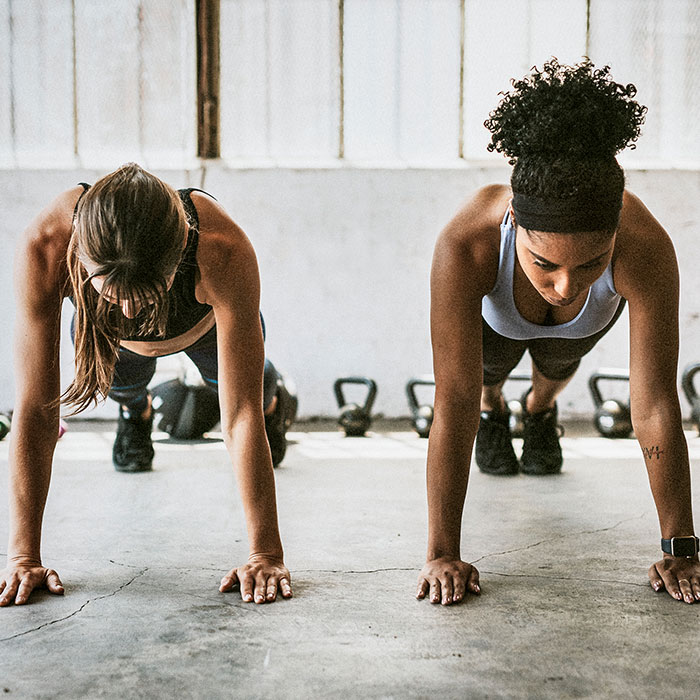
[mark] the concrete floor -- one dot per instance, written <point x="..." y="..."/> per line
<point x="566" y="609"/>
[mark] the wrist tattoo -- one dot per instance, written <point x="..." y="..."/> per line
<point x="651" y="452"/>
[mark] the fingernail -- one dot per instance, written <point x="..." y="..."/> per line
<point x="248" y="597"/>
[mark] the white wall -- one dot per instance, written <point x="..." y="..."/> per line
<point x="344" y="255"/>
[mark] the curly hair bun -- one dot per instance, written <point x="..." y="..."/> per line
<point x="566" y="112"/>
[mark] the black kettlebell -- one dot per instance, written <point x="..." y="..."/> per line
<point x="185" y="411"/>
<point x="5" y="424"/>
<point x="422" y="413"/>
<point x="354" y="419"/>
<point x="515" y="406"/>
<point x="612" y="417"/>
<point x="689" y="390"/>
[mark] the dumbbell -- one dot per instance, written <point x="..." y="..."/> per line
<point x="354" y="419"/>
<point x="689" y="389"/>
<point x="422" y="413"/>
<point x="516" y="407"/>
<point x="612" y="417"/>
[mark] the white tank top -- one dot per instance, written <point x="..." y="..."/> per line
<point x="499" y="310"/>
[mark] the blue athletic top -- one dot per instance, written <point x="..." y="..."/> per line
<point x="499" y="311"/>
<point x="184" y="311"/>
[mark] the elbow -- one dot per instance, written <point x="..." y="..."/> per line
<point x="240" y="421"/>
<point x="457" y="413"/>
<point x="656" y="416"/>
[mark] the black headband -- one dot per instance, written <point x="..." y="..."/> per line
<point x="566" y="215"/>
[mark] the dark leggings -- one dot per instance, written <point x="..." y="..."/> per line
<point x="555" y="358"/>
<point x="133" y="372"/>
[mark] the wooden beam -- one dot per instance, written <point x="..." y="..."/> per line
<point x="208" y="79"/>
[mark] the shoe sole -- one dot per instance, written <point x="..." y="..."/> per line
<point x="539" y="472"/>
<point x="499" y="472"/>
<point x="133" y="468"/>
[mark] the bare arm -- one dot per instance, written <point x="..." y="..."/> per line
<point x="231" y="283"/>
<point x="464" y="266"/>
<point x="647" y="275"/>
<point x="39" y="281"/>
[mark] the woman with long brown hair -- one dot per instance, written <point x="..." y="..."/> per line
<point x="151" y="271"/>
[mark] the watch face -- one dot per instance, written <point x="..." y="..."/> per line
<point x="684" y="546"/>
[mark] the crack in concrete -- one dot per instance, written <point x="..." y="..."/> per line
<point x="75" y="612"/>
<point x="558" y="537"/>
<point x="295" y="571"/>
<point x="567" y="578"/>
<point x="355" y="571"/>
<point x="154" y="567"/>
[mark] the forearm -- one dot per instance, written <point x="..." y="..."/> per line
<point x="247" y="446"/>
<point x="32" y="442"/>
<point x="449" y="456"/>
<point x="665" y="454"/>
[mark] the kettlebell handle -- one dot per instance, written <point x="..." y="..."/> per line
<point x="520" y="377"/>
<point x="369" y="383"/>
<point x="610" y="374"/>
<point x="426" y="380"/>
<point x="687" y="381"/>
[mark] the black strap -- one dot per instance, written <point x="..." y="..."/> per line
<point x="680" y="546"/>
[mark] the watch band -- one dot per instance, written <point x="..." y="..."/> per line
<point x="680" y="546"/>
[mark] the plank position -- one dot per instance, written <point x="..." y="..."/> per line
<point x="151" y="271"/>
<point x="547" y="265"/>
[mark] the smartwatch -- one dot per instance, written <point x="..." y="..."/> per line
<point x="680" y="546"/>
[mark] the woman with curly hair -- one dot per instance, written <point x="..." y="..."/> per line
<point x="151" y="271"/>
<point x="547" y="265"/>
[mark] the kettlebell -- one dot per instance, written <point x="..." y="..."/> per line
<point x="186" y="412"/>
<point x="612" y="417"/>
<point x="689" y="390"/>
<point x="515" y="406"/>
<point x="422" y="413"/>
<point x="354" y="419"/>
<point x="5" y="425"/>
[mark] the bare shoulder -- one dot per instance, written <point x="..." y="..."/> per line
<point x="225" y="255"/>
<point x="472" y="237"/>
<point x="644" y="253"/>
<point x="54" y="222"/>
<point x="41" y="251"/>
<point x="219" y="233"/>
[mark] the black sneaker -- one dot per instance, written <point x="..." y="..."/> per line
<point x="541" y="448"/>
<point x="133" y="449"/>
<point x="493" y="448"/>
<point x="278" y="423"/>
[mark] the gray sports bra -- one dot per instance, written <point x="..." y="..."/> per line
<point x="499" y="311"/>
